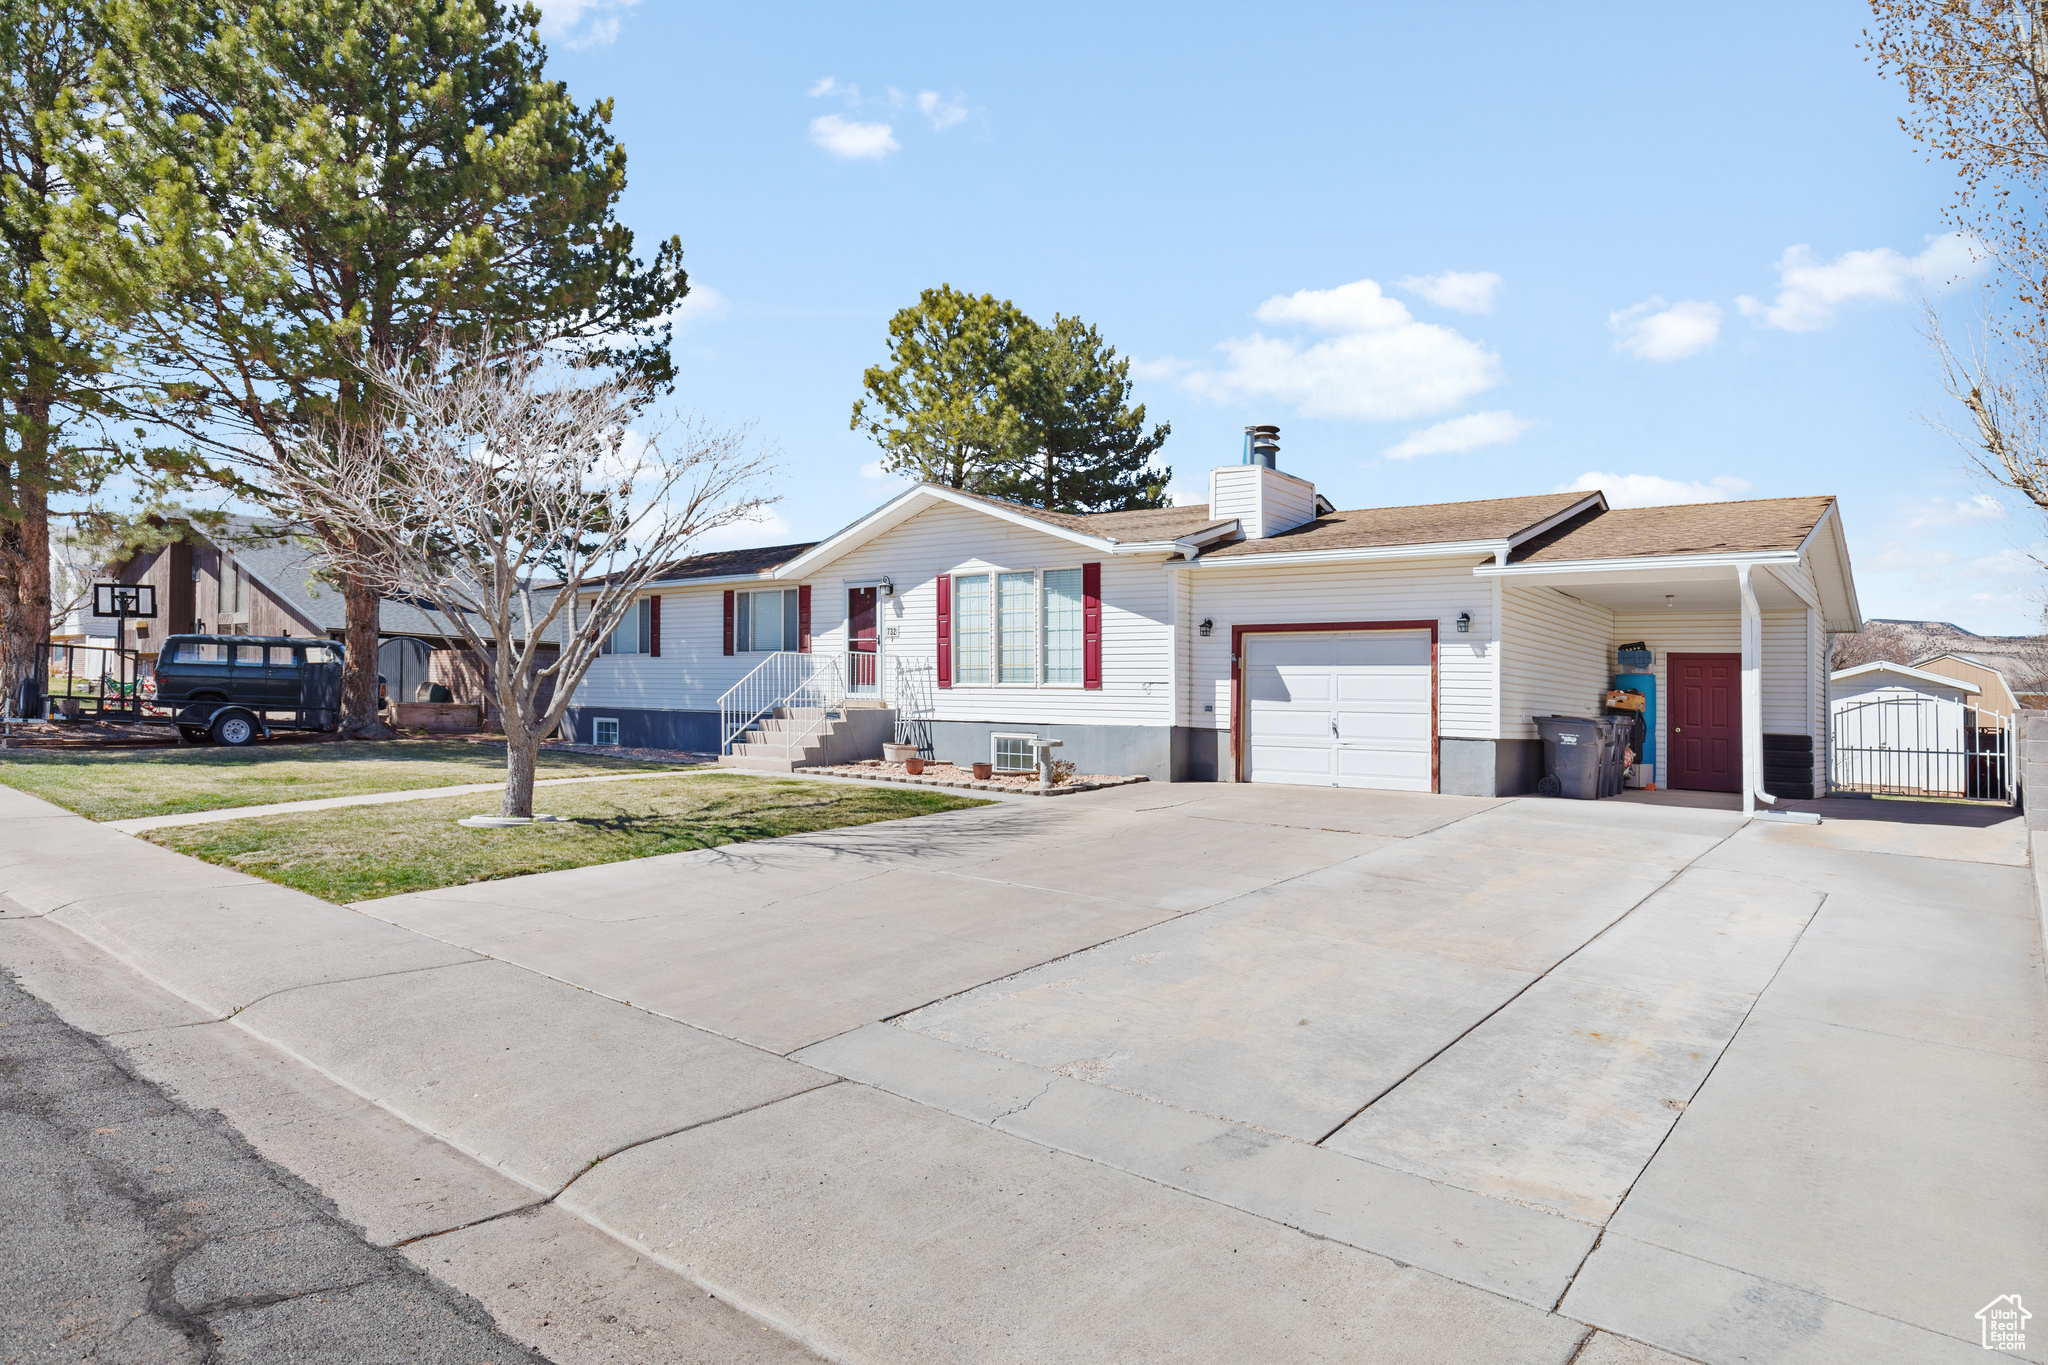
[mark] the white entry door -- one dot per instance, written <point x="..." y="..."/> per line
<point x="1339" y="710"/>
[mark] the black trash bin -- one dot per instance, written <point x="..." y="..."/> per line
<point x="1615" y="733"/>
<point x="1574" y="756"/>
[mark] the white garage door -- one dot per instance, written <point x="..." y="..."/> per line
<point x="1340" y="710"/>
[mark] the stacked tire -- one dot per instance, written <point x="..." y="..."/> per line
<point x="1788" y="766"/>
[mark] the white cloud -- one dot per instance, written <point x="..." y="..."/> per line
<point x="1381" y="364"/>
<point x="1467" y="291"/>
<point x="1957" y="511"/>
<point x="1460" y="434"/>
<point x="853" y="140"/>
<point x="1650" y="490"/>
<point x="2005" y="563"/>
<point x="701" y="304"/>
<point x="769" y="529"/>
<point x="1810" y="290"/>
<point x="827" y="85"/>
<point x="564" y="20"/>
<point x="1654" y="330"/>
<point x="942" y="112"/>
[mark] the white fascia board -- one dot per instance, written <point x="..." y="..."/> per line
<point x="1454" y="549"/>
<point x="1791" y="584"/>
<point x="908" y="504"/>
<point x="1706" y="565"/>
<point x="1830" y="523"/>
<point x="758" y="576"/>
<point x="1904" y="671"/>
<point x="1593" y="499"/>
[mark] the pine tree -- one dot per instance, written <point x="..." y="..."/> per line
<point x="1085" y="447"/>
<point x="301" y="185"/>
<point x="943" y="410"/>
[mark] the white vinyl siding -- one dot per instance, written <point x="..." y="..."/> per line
<point x="1231" y="593"/>
<point x="1557" y="657"/>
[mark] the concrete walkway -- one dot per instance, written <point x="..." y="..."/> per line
<point x="1175" y="1072"/>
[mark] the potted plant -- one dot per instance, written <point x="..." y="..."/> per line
<point x="984" y="771"/>
<point x="913" y="765"/>
<point x="898" y="753"/>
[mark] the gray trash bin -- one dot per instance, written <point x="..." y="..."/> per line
<point x="1575" y="754"/>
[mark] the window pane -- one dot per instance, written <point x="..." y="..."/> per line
<point x="767" y="621"/>
<point x="321" y="654"/>
<point x="743" y="621"/>
<point x="971" y="629"/>
<point x="1063" y="625"/>
<point x="1013" y="754"/>
<point x="281" y="656"/>
<point x="249" y="654"/>
<point x="200" y="652"/>
<point x="792" y="629"/>
<point x="1017" y="625"/>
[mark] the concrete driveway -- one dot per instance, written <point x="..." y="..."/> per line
<point x="1225" y="1072"/>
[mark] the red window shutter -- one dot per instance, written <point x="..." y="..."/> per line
<point x="803" y="618"/>
<point x="1091" y="625"/>
<point x="654" y="627"/>
<point x="945" y="582"/>
<point x="728" y="620"/>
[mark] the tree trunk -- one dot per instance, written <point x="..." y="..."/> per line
<point x="25" y="557"/>
<point x="522" y="755"/>
<point x="359" y="719"/>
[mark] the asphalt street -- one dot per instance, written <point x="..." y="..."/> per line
<point x="138" y="1230"/>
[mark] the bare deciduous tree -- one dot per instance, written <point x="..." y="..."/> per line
<point x="522" y="504"/>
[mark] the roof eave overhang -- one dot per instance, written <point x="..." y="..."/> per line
<point x="1905" y="670"/>
<point x="1455" y="549"/>
<point x="1839" y="607"/>
<point x="1673" y="566"/>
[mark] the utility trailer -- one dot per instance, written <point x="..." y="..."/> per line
<point x="226" y="689"/>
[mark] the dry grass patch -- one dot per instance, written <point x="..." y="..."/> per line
<point x="355" y="853"/>
<point x="123" y="784"/>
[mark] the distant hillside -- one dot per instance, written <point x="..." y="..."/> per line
<point x="2022" y="658"/>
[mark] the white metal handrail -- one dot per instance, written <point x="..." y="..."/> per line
<point x="801" y="690"/>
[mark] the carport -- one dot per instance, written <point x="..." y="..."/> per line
<point x="1736" y="605"/>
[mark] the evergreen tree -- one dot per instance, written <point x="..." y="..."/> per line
<point x="300" y="185"/>
<point x="1085" y="447"/>
<point x="943" y="410"/>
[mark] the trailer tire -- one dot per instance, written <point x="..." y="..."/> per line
<point x="236" y="729"/>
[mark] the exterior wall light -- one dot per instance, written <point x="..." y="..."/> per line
<point x="1464" y="622"/>
<point x="888" y="588"/>
<point x="1208" y="625"/>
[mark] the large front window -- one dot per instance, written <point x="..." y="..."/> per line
<point x="1017" y="628"/>
<point x="764" y="622"/>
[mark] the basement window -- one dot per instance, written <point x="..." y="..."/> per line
<point x="1012" y="753"/>
<point x="604" y="730"/>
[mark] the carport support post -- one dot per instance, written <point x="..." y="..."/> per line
<point x="1752" y="695"/>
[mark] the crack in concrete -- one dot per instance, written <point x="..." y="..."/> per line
<point x="1045" y="1090"/>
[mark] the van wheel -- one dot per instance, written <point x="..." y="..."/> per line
<point x="196" y="734"/>
<point x="236" y="729"/>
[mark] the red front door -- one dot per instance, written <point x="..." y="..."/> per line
<point x="1705" y="696"/>
<point x="860" y="639"/>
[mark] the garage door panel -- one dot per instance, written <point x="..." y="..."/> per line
<point x="1346" y="710"/>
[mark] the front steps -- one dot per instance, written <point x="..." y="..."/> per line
<point x="851" y="733"/>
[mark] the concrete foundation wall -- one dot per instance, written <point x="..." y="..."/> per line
<point x="647" y="729"/>
<point x="1488" y="767"/>
<point x="1119" y="750"/>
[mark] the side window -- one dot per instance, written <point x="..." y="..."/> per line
<point x="281" y="656"/>
<point x="249" y="654"/>
<point x="971" y="645"/>
<point x="322" y="654"/>
<point x="199" y="652"/>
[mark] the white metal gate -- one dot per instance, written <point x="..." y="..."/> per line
<point x="1917" y="746"/>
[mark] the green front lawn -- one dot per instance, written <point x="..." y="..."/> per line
<point x="354" y="853"/>
<point x="123" y="784"/>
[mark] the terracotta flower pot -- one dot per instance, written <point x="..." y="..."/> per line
<point x="913" y="766"/>
<point x="984" y="771"/>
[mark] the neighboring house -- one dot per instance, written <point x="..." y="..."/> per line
<point x="1995" y="693"/>
<point x="1264" y="636"/>
<point x="1908" y="730"/>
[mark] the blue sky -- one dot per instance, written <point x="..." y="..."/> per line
<point x="1454" y="252"/>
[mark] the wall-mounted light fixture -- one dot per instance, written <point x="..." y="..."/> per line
<point x="888" y="588"/>
<point x="1670" y="600"/>
<point x="1207" y="627"/>
<point x="1464" y="622"/>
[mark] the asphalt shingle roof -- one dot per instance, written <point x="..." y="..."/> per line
<point x="1431" y="524"/>
<point x="1691" y="529"/>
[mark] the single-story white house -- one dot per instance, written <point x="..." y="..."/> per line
<point x="1266" y="636"/>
